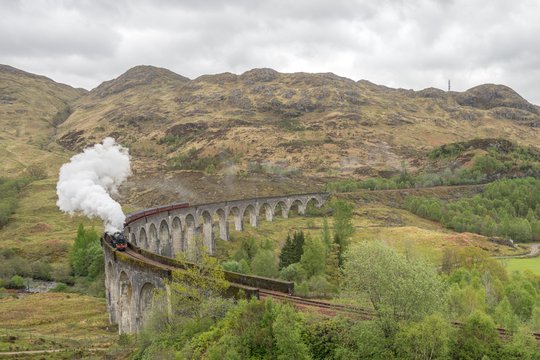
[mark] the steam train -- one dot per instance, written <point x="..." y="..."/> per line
<point x="117" y="240"/>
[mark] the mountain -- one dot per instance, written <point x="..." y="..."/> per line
<point x="266" y="121"/>
<point x="261" y="121"/>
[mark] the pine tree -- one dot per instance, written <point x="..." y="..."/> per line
<point x="292" y="250"/>
<point x="314" y="257"/>
<point x="286" y="255"/>
<point x="298" y="241"/>
<point x="332" y="264"/>
<point x="343" y="228"/>
<point x="325" y="236"/>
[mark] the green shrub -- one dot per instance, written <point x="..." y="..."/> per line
<point x="294" y="272"/>
<point x="16" y="282"/>
<point x="60" y="287"/>
<point x="233" y="266"/>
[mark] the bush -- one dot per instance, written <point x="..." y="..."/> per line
<point x="86" y="255"/>
<point x="233" y="266"/>
<point x="294" y="272"/>
<point x="60" y="287"/>
<point x="16" y="282"/>
<point x="264" y="264"/>
<point x="319" y="286"/>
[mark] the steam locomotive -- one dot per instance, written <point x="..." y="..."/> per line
<point x="117" y="240"/>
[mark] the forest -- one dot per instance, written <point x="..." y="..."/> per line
<point x="506" y="208"/>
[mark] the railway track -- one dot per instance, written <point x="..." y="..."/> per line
<point x="326" y="307"/>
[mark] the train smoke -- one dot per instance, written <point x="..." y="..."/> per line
<point x="88" y="180"/>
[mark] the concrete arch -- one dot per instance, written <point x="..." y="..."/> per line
<point x="208" y="231"/>
<point x="146" y="301"/>
<point x="252" y="214"/>
<point x="268" y="211"/>
<point x="177" y="236"/>
<point x="284" y="209"/>
<point x="125" y="304"/>
<point x="223" y="224"/>
<point x="238" y="215"/>
<point x="190" y="237"/>
<point x="133" y="239"/>
<point x="165" y="239"/>
<point x="312" y="202"/>
<point x="143" y="239"/>
<point x="153" y="239"/>
<point x="297" y="206"/>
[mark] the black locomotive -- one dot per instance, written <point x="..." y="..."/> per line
<point x="117" y="240"/>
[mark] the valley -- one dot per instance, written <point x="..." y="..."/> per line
<point x="261" y="133"/>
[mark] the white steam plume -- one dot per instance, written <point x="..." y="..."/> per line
<point x="87" y="181"/>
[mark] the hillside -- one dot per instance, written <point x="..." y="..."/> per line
<point x="31" y="108"/>
<point x="270" y="122"/>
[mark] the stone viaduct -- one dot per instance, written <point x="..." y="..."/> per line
<point x="175" y="229"/>
<point x="165" y="231"/>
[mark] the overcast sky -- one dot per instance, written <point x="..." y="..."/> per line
<point x="399" y="43"/>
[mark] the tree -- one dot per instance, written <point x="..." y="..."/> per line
<point x="287" y="332"/>
<point x="505" y="317"/>
<point x="343" y="228"/>
<point x="364" y="340"/>
<point x="191" y="287"/>
<point x="248" y="249"/>
<point x="294" y="272"/>
<point x="521" y="295"/>
<point x="264" y="264"/>
<point x="477" y="338"/>
<point x="332" y="264"/>
<point x="314" y="256"/>
<point x="287" y="253"/>
<point x="292" y="250"/>
<point x="522" y="346"/>
<point x="86" y="255"/>
<point x="397" y="288"/>
<point x="325" y="235"/>
<point x="427" y="339"/>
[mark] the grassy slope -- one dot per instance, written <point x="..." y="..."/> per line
<point x="396" y="227"/>
<point x="54" y="320"/>
<point x="531" y="264"/>
<point x="38" y="228"/>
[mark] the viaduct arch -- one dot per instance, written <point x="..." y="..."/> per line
<point x="168" y="230"/>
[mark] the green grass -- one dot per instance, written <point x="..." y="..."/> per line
<point x="531" y="264"/>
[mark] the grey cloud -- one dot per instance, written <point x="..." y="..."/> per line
<point x="409" y="44"/>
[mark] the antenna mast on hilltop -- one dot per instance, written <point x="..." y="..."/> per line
<point x="448" y="84"/>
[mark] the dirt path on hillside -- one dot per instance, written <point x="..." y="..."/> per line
<point x="534" y="248"/>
